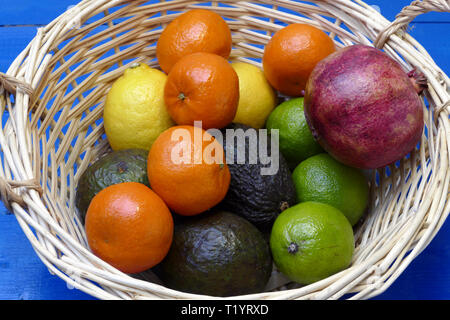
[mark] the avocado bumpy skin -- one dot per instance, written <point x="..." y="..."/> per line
<point x="256" y="197"/>
<point x="128" y="165"/>
<point x="218" y="254"/>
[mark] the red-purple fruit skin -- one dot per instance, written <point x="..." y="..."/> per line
<point x="362" y="107"/>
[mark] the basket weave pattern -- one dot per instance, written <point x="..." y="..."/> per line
<point x="54" y="93"/>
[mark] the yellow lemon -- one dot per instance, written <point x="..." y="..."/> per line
<point x="257" y="98"/>
<point x="135" y="113"/>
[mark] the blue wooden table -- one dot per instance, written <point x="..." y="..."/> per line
<point x="24" y="276"/>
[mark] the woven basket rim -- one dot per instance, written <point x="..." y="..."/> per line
<point x="389" y="240"/>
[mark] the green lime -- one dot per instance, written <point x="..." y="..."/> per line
<point x="321" y="178"/>
<point x="311" y="241"/>
<point x="296" y="140"/>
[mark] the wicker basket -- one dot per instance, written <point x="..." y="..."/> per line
<point x="54" y="92"/>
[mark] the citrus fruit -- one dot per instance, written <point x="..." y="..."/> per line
<point x="323" y="179"/>
<point x="187" y="169"/>
<point x="291" y="55"/>
<point x="135" y="114"/>
<point x="202" y="87"/>
<point x="256" y="97"/>
<point x="129" y="226"/>
<point x="129" y="165"/>
<point x="197" y="30"/>
<point x="311" y="241"/>
<point x="296" y="140"/>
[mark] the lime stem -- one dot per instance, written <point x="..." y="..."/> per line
<point x="293" y="248"/>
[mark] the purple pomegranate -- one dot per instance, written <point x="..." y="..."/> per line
<point x="363" y="108"/>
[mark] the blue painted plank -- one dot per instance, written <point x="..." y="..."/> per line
<point x="12" y="41"/>
<point x="435" y="38"/>
<point x="22" y="274"/>
<point x="31" y="12"/>
<point x="389" y="9"/>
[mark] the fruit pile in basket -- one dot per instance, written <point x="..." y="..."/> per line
<point x="223" y="173"/>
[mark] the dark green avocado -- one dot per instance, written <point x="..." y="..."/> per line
<point x="257" y="197"/>
<point x="219" y="254"/>
<point x="119" y="166"/>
